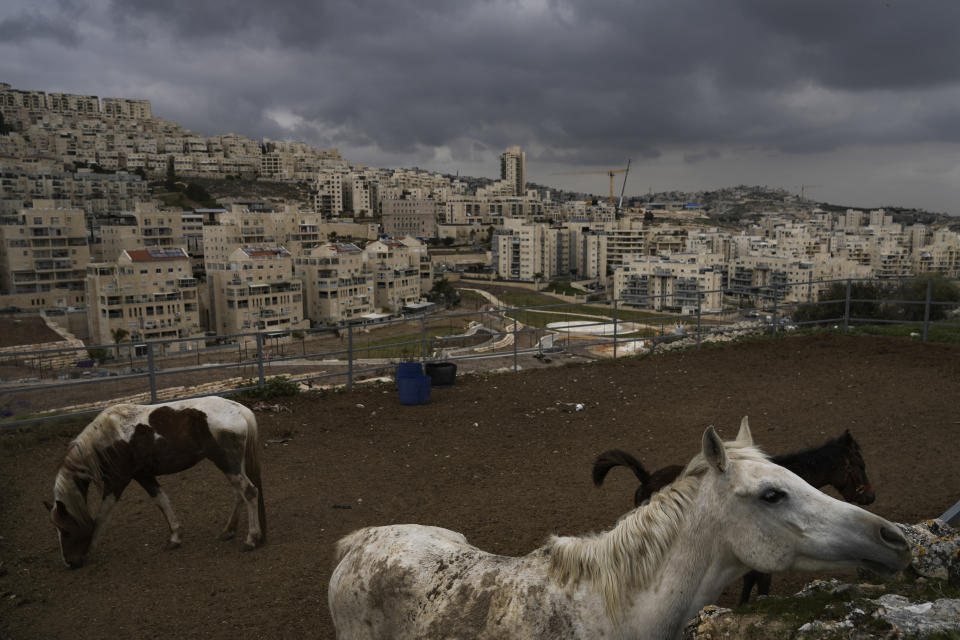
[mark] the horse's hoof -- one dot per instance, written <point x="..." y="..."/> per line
<point x="228" y="535"/>
<point x="248" y="547"/>
<point x="173" y="545"/>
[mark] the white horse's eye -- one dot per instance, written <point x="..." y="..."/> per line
<point x="772" y="496"/>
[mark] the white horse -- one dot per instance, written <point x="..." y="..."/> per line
<point x="139" y="442"/>
<point x="729" y="512"/>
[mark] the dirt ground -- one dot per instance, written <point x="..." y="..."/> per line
<point x="503" y="458"/>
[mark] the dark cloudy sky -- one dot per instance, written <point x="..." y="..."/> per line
<point x="858" y="98"/>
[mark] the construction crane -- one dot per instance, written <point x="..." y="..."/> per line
<point x="623" y="187"/>
<point x="611" y="173"/>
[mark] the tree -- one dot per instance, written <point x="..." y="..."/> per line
<point x="648" y="216"/>
<point x="171" y="182"/>
<point x="865" y="303"/>
<point x="197" y="193"/>
<point x="118" y="335"/>
<point x="444" y="293"/>
<point x="942" y="290"/>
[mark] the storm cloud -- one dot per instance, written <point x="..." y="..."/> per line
<point x="860" y="96"/>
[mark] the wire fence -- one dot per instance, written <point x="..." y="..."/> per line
<point x="42" y="385"/>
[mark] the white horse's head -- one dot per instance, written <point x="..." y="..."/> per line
<point x="774" y="521"/>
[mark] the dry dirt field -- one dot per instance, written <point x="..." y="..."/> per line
<point x="502" y="458"/>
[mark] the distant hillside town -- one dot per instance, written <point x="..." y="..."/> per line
<point x="160" y="233"/>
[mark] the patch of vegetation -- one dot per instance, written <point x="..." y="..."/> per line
<point x="275" y="387"/>
<point x="404" y="347"/>
<point x="98" y="354"/>
<point x="563" y="288"/>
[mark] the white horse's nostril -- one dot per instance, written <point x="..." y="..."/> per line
<point x="893" y="538"/>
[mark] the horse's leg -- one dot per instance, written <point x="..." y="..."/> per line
<point x="106" y="506"/>
<point x="231" y="529"/>
<point x="763" y="583"/>
<point x="152" y="487"/>
<point x="227" y="453"/>
<point x="247" y="492"/>
<point x="751" y="578"/>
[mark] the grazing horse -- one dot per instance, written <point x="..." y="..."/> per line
<point x="730" y="510"/>
<point x="838" y="463"/>
<point x="139" y="442"/>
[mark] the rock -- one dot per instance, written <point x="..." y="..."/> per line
<point x="858" y="611"/>
<point x="936" y="550"/>
<point x="913" y="619"/>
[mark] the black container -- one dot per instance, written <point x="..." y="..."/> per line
<point x="442" y="374"/>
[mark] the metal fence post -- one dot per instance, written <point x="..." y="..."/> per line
<point x="260" y="380"/>
<point x="773" y="317"/>
<point x="846" y="307"/>
<point x="699" y="317"/>
<point x="516" y="342"/>
<point x="349" y="356"/>
<point x="423" y="338"/>
<point x="926" y="308"/>
<point x="614" y="328"/>
<point x="153" y="374"/>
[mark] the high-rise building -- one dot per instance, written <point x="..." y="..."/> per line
<point x="513" y="169"/>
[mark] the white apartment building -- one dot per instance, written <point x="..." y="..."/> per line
<point x="146" y="226"/>
<point x="681" y="283"/>
<point x="43" y="257"/>
<point x="254" y="290"/>
<point x="419" y="258"/>
<point x="337" y="286"/>
<point x="411" y="217"/>
<point x="148" y="293"/>
<point x="329" y="198"/>
<point x="522" y="250"/>
<point x="396" y="274"/>
<point x="513" y="170"/>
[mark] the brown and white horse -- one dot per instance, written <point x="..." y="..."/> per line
<point x="731" y="510"/>
<point x="139" y="442"/>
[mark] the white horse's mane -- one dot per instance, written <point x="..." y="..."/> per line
<point x="81" y="459"/>
<point x="629" y="556"/>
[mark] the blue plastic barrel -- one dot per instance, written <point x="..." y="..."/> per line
<point x="408" y="370"/>
<point x="414" y="389"/>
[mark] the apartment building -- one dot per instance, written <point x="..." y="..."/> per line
<point x="524" y="250"/>
<point x="126" y="108"/>
<point x="513" y="170"/>
<point x="146" y="226"/>
<point x="419" y="258"/>
<point x="337" y="285"/>
<point x="329" y="190"/>
<point x="411" y="217"/>
<point x="150" y="294"/>
<point x="681" y="283"/>
<point x="396" y="274"/>
<point x="357" y="199"/>
<point x="254" y="290"/>
<point x="43" y="257"/>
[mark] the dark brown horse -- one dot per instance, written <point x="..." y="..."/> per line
<point x="837" y="463"/>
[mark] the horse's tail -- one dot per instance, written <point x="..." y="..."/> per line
<point x="617" y="458"/>
<point x="251" y="463"/>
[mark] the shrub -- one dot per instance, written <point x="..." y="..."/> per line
<point x="275" y="387"/>
<point x="865" y="303"/>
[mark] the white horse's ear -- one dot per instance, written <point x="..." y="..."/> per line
<point x="744" y="436"/>
<point x="713" y="450"/>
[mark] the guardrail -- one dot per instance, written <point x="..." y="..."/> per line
<point x="36" y="386"/>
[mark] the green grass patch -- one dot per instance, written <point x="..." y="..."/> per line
<point x="935" y="333"/>
<point x="393" y="346"/>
